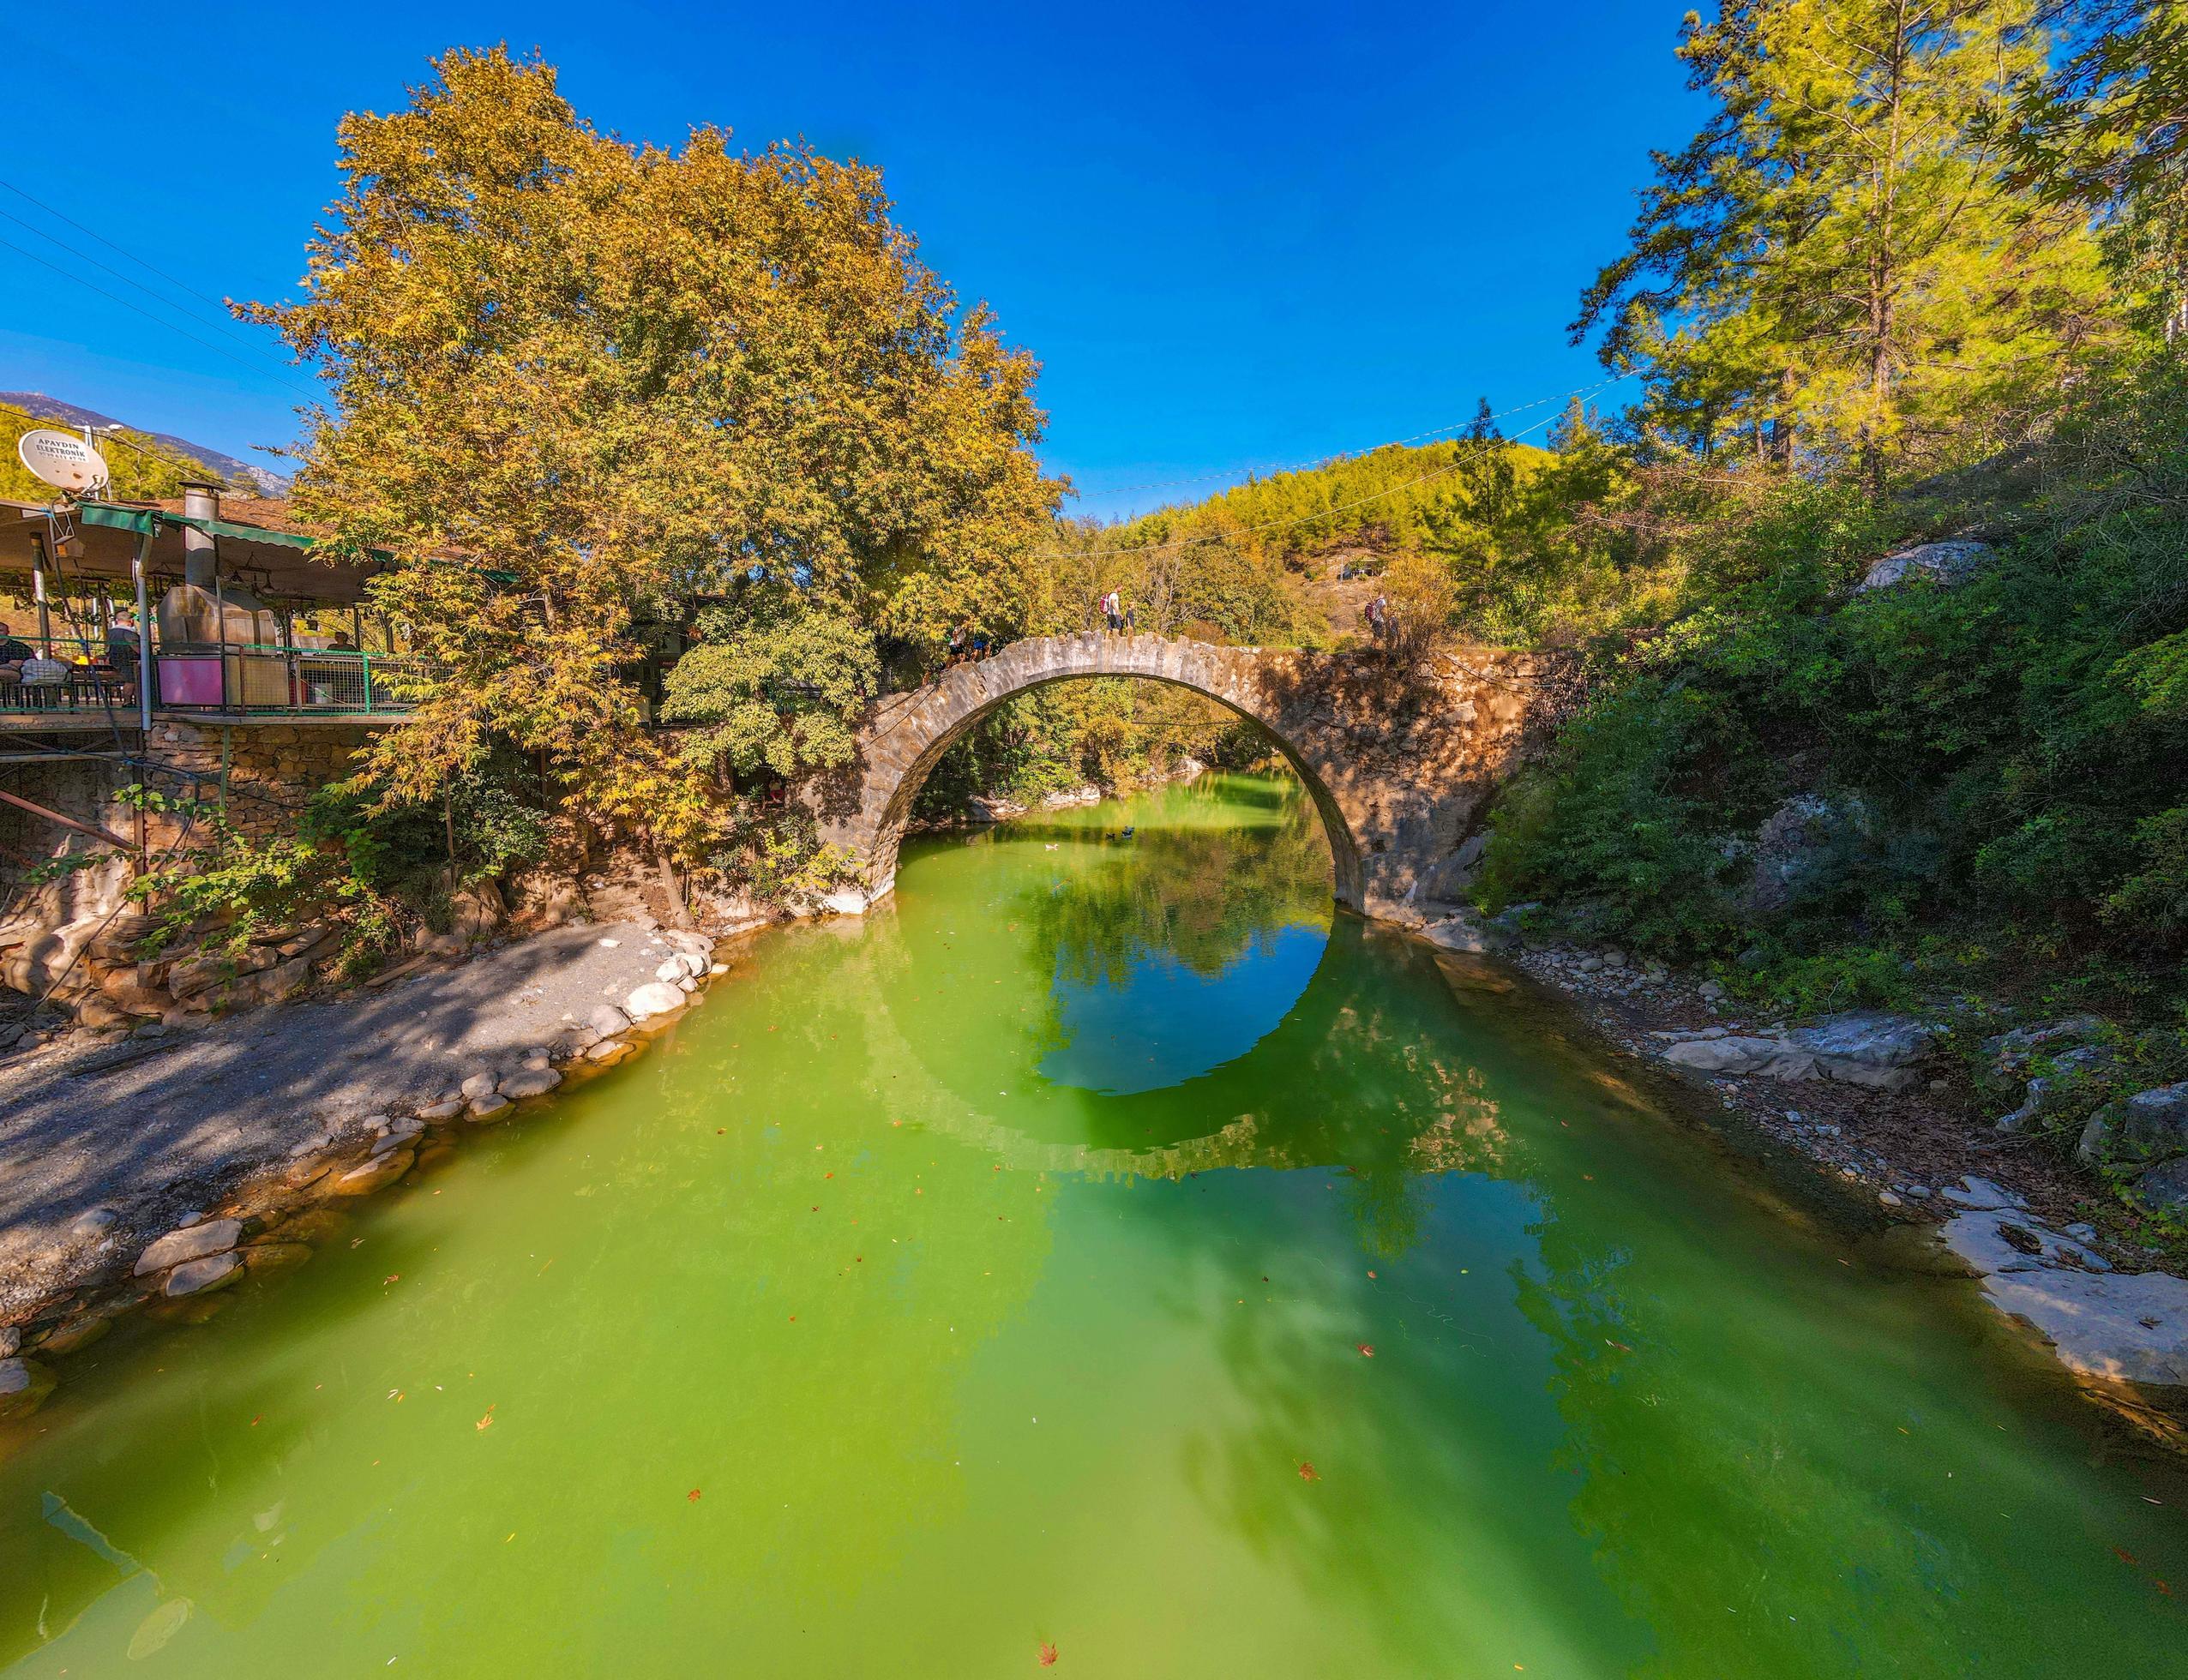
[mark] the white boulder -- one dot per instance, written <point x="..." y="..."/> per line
<point x="655" y="997"/>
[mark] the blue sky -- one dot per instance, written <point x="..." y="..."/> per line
<point x="1237" y="239"/>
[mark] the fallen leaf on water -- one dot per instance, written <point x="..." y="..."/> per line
<point x="1366" y="1350"/>
<point x="1307" y="1473"/>
<point x="1048" y="1656"/>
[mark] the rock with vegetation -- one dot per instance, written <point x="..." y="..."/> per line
<point x="2145" y="1124"/>
<point x="1941" y="563"/>
<point x="2163" y="1189"/>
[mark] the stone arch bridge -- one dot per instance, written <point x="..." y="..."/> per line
<point x="1399" y="763"/>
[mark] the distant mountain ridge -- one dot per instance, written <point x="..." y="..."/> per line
<point x="43" y="407"/>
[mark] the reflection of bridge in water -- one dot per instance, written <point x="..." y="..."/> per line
<point x="1334" y="1124"/>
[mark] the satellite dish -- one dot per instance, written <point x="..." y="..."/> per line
<point x="63" y="459"/>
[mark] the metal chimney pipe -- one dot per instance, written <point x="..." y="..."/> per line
<point x="199" y="502"/>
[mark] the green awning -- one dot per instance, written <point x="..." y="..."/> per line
<point x="149" y="521"/>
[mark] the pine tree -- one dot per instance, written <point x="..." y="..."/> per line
<point x="2108" y="132"/>
<point x="1836" y="265"/>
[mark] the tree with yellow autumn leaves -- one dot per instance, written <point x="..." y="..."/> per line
<point x="579" y="385"/>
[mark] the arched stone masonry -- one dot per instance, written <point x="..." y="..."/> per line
<point x="1398" y="766"/>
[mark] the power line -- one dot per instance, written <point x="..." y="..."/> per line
<point x="312" y="396"/>
<point x="164" y="302"/>
<point x="110" y="245"/>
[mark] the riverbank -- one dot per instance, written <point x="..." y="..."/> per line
<point x="1918" y="1141"/>
<point x="106" y="1148"/>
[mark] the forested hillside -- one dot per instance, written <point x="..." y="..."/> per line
<point x="1919" y="274"/>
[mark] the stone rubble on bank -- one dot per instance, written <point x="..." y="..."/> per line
<point x="24" y="1384"/>
<point x="266" y="1224"/>
<point x="1880" y="1051"/>
<point x="192" y="1242"/>
<point x="2120" y="1327"/>
<point x="2104" y="1324"/>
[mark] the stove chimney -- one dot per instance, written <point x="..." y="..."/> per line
<point x="199" y="502"/>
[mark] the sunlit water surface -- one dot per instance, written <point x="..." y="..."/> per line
<point x="1102" y="1251"/>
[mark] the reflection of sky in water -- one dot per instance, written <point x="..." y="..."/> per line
<point x="1166" y="1024"/>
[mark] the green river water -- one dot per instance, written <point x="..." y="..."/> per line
<point x="1100" y="1254"/>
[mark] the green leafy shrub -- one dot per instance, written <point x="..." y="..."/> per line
<point x="2020" y="772"/>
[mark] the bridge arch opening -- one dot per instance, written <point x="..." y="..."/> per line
<point x="869" y="810"/>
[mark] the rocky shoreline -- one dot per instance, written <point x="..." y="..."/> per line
<point x="263" y="1196"/>
<point x="1861" y="1096"/>
<point x="1865" y="1098"/>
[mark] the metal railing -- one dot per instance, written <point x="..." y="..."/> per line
<point x="245" y="678"/>
<point x="72" y="675"/>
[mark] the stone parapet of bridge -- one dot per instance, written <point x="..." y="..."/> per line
<point x="1399" y="761"/>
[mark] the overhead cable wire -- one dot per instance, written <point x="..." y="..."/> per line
<point x="94" y="234"/>
<point x="165" y="301"/>
<point x="313" y="396"/>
